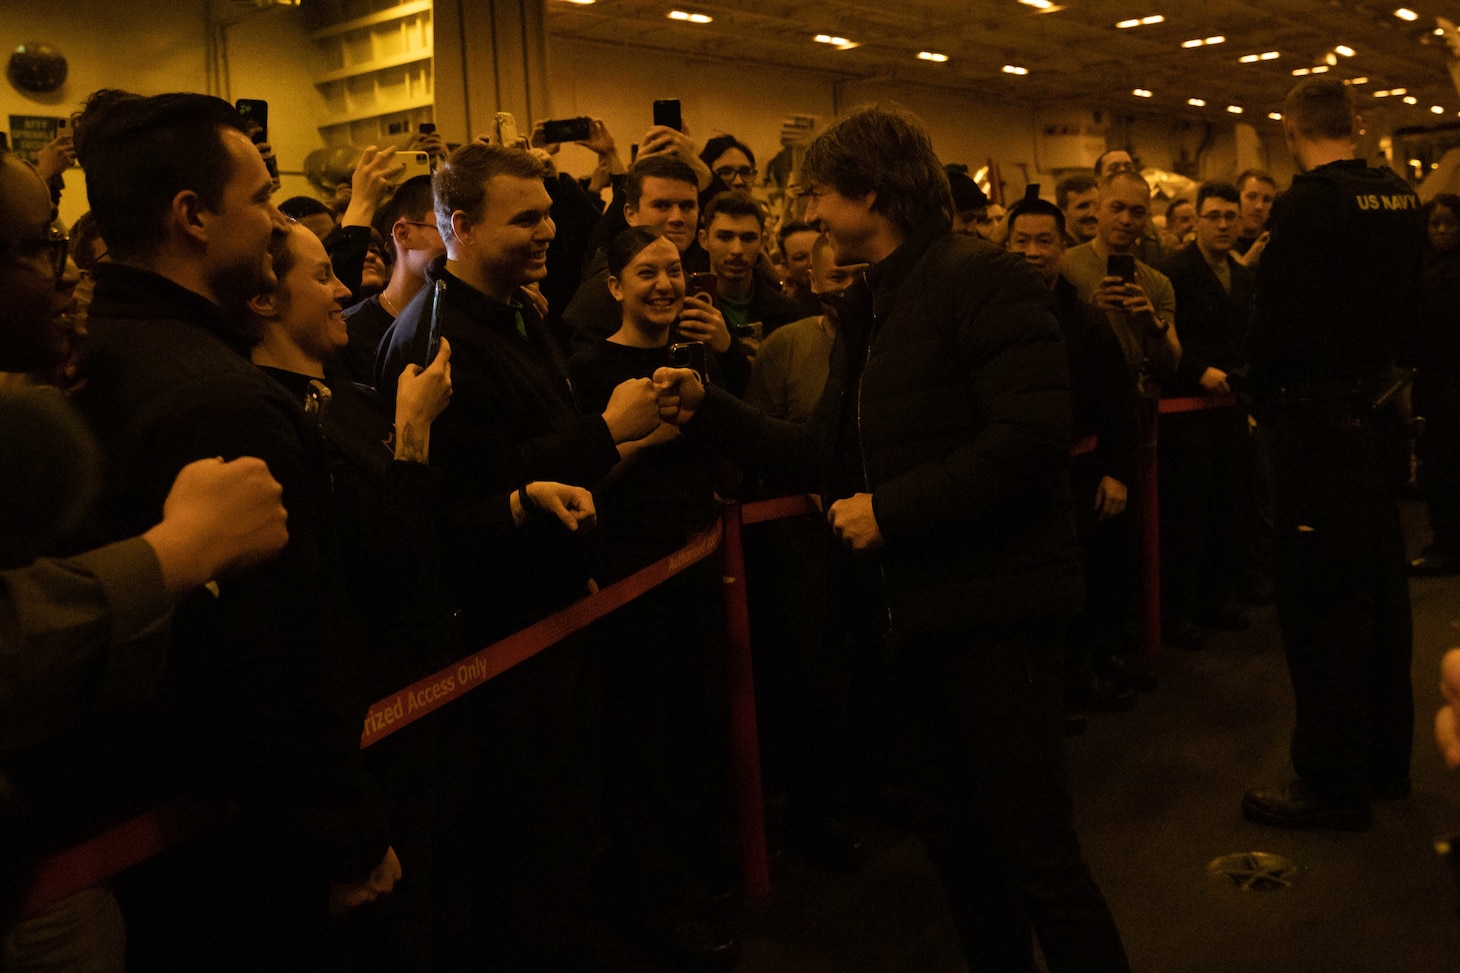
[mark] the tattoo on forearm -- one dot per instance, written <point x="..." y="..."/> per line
<point x="410" y="446"/>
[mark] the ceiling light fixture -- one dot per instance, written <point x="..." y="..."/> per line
<point x="1320" y="68"/>
<point x="932" y="56"/>
<point x="1301" y="72"/>
<point x="1330" y="59"/>
<point x="1216" y="40"/>
<point x="1411" y="100"/>
<point x="1141" y="93"/>
<point x="1015" y="69"/>
<point x="1381" y="94"/>
<point x="1249" y="59"/>
<point x="1198" y="42"/>
<point x="1344" y="49"/>
<point x="1203" y="41"/>
<point x="1041" y="4"/>
<point x="1275" y="116"/>
<point x="1358" y="80"/>
<point x="1196" y="103"/>
<point x="1235" y="109"/>
<point x="838" y="42"/>
<point x="1437" y="109"/>
<point x="1141" y="21"/>
<point x="689" y="17"/>
<point x="1404" y="13"/>
<point x="1270" y="55"/>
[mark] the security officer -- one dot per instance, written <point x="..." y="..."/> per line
<point x="1335" y="295"/>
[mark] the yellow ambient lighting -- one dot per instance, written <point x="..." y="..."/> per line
<point x="1015" y="69"/>
<point x="1270" y="55"/>
<point x="1127" y="23"/>
<point x="1216" y="40"/>
<point x="1404" y="13"/>
<point x="1275" y="116"/>
<point x="1411" y="100"/>
<point x="1196" y="103"/>
<point x="1358" y="80"/>
<point x="1153" y="19"/>
<point x="1438" y="110"/>
<point x="1344" y="49"/>
<point x="1330" y="59"/>
<point x="932" y="56"/>
<point x="1320" y="68"/>
<point x="1193" y="43"/>
<point x="833" y="41"/>
<point x="1300" y="72"/>
<point x="1248" y="59"/>
<point x="1381" y="94"/>
<point x="691" y="18"/>
<point x="1041" y="4"/>
<point x="1141" y="93"/>
<point x="1235" y="109"/>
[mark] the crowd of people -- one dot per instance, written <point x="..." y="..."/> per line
<point x="280" y="466"/>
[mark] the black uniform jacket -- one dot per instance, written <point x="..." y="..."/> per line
<point x="259" y="698"/>
<point x="951" y="400"/>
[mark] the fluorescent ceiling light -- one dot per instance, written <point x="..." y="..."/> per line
<point x="1141" y="21"/>
<point x="1235" y="109"/>
<point x="1153" y="19"/>
<point x="1128" y="23"/>
<point x="1141" y="93"/>
<point x="840" y="42"/>
<point x="1404" y="13"/>
<point x="1015" y="69"/>
<point x="932" y="56"/>
<point x="1320" y="69"/>
<point x="1358" y="80"/>
<point x="1216" y="40"/>
<point x="1411" y="100"/>
<point x="1041" y="4"/>
<point x="1301" y="72"/>
<point x="1438" y="110"/>
<point x="1270" y="55"/>
<point x="1275" y="116"/>
<point x="1249" y="59"/>
<point x="1196" y="103"/>
<point x="1344" y="49"/>
<point x="691" y="18"/>
<point x="1198" y="42"/>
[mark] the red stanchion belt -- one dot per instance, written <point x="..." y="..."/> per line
<point x="435" y="691"/>
<point x="1197" y="403"/>
<point x="98" y="859"/>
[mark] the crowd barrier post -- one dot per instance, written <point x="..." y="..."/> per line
<point x="1149" y="413"/>
<point x="744" y="732"/>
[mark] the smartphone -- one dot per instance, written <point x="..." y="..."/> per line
<point x="255" y="114"/>
<point x="567" y="129"/>
<point x="417" y="164"/>
<point x="433" y="332"/>
<point x="428" y="128"/>
<point x="666" y="113"/>
<point x="705" y="285"/>
<point x="506" y="128"/>
<point x="1122" y="265"/>
<point x="63" y="127"/>
<point x="691" y="355"/>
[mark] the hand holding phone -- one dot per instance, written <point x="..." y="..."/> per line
<point x="667" y="113"/>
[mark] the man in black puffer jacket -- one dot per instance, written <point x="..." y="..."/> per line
<point x="942" y="442"/>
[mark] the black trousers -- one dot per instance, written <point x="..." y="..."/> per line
<point x="1201" y="464"/>
<point x="995" y="809"/>
<point x="1343" y="597"/>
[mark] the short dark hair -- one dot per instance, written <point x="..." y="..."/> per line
<point x="84" y="232"/>
<point x="628" y="245"/>
<point x="412" y="200"/>
<point x="1321" y="108"/>
<point x="298" y="207"/>
<point x="461" y="181"/>
<point x="794" y="226"/>
<point x="658" y="167"/>
<point x="733" y="202"/>
<point x="1077" y="182"/>
<point x="1036" y="207"/>
<point x="1179" y="201"/>
<point x="1100" y="160"/>
<point x="966" y="193"/>
<point x="886" y="149"/>
<point x="1217" y="190"/>
<point x="1261" y="175"/>
<point x="1124" y="175"/>
<point x="721" y="144"/>
<point x="139" y="153"/>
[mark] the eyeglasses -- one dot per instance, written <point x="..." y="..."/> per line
<point x="727" y="173"/>
<point x="1220" y="218"/>
<point x="52" y="247"/>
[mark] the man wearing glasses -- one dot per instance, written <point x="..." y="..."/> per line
<point x="1202" y="453"/>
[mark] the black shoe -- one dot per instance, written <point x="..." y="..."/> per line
<point x="1075" y="723"/>
<point x="697" y="947"/>
<point x="1100" y="695"/>
<point x="1185" y="635"/>
<point x="1226" y="618"/>
<point x="1128" y="671"/>
<point x="1433" y="566"/>
<point x="829" y="843"/>
<point x="1297" y="805"/>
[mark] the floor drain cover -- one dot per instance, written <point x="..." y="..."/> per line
<point x="1257" y="871"/>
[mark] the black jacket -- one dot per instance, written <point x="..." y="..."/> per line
<point x="1102" y="388"/>
<point x="1214" y="322"/>
<point x="257" y="700"/>
<point x="512" y="419"/>
<point x="953" y="398"/>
